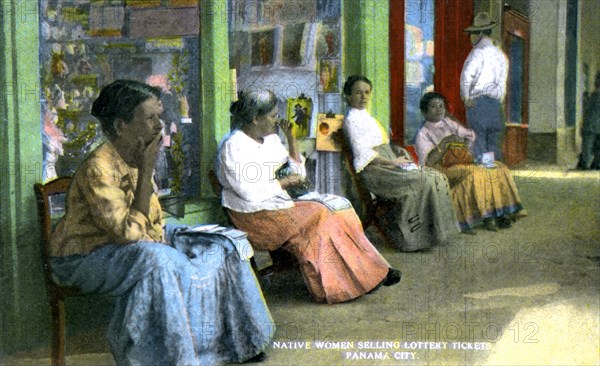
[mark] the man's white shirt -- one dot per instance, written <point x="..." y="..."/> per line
<point x="485" y="72"/>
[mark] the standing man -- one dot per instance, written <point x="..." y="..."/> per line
<point x="483" y="87"/>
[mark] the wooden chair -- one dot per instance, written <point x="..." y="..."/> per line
<point x="261" y="261"/>
<point x="373" y="207"/>
<point x="50" y="204"/>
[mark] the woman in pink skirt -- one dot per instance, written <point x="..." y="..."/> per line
<point x="337" y="261"/>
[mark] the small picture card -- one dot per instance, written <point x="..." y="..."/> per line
<point x="328" y="40"/>
<point x="327" y="125"/>
<point x="299" y="112"/>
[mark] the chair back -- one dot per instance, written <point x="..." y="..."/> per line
<point x="215" y="184"/>
<point x="218" y="191"/>
<point x="374" y="208"/>
<point x="51" y="200"/>
<point x="367" y="200"/>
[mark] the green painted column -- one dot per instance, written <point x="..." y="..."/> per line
<point x="23" y="301"/>
<point x="216" y="83"/>
<point x="366" y="49"/>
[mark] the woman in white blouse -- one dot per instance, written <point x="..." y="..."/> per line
<point x="423" y="214"/>
<point x="337" y="261"/>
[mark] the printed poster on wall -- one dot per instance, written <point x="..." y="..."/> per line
<point x="327" y="128"/>
<point x="299" y="112"/>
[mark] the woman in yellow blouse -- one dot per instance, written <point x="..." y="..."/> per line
<point x="177" y="303"/>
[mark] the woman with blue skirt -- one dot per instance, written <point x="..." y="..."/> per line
<point x="183" y="297"/>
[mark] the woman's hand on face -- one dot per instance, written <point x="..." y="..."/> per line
<point x="286" y="127"/>
<point x="146" y="154"/>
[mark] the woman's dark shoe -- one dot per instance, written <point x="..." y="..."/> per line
<point x="258" y="358"/>
<point x="490" y="224"/>
<point x="503" y="222"/>
<point x="392" y="278"/>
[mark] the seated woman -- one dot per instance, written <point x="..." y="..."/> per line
<point x="480" y="195"/>
<point x="337" y="261"/>
<point x="422" y="215"/>
<point x="179" y="300"/>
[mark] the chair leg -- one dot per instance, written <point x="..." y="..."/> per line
<point x="57" y="308"/>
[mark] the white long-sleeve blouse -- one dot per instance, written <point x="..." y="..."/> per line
<point x="246" y="169"/>
<point x="364" y="133"/>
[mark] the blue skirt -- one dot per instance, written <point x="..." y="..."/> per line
<point x="193" y="302"/>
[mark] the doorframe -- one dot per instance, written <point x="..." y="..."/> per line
<point x="517" y="24"/>
<point x="514" y="145"/>
<point x="396" y="40"/>
<point x="451" y="48"/>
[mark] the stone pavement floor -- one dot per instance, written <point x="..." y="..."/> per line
<point x="527" y="295"/>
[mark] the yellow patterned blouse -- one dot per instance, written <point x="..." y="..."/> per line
<point x="98" y="207"/>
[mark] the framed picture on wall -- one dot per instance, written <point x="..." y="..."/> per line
<point x="328" y="75"/>
<point x="328" y="126"/>
<point x="240" y="50"/>
<point x="263" y="48"/>
<point x="328" y="40"/>
<point x="299" y="112"/>
<point x="294" y="45"/>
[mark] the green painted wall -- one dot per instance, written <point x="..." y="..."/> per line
<point x="366" y="49"/>
<point x="24" y="319"/>
<point x="217" y="88"/>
